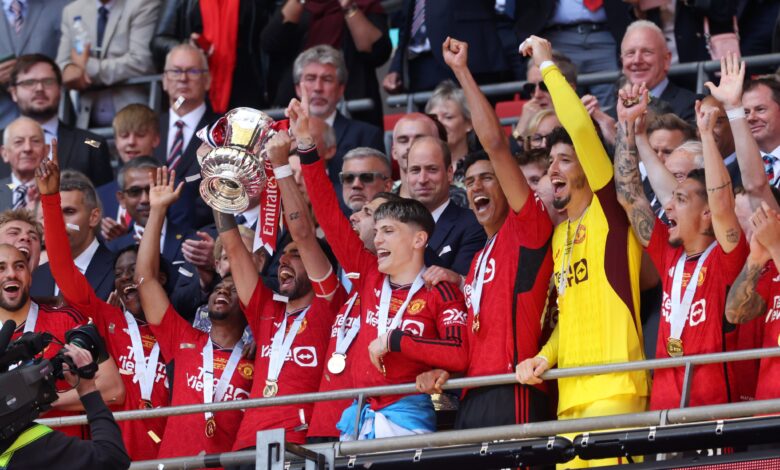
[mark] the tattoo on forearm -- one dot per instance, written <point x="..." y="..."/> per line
<point x="743" y="303"/>
<point x="732" y="235"/>
<point x="224" y="221"/>
<point x="643" y="220"/>
<point x="294" y="215"/>
<point x="628" y="183"/>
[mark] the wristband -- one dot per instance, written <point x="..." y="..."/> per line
<point x="545" y="64"/>
<point x="326" y="286"/>
<point x="283" y="171"/>
<point x="735" y="114"/>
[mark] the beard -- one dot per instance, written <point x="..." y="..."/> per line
<point x="298" y="290"/>
<point x="41" y="114"/>
<point x="218" y="316"/>
<point x="561" y="203"/>
<point x="13" y="307"/>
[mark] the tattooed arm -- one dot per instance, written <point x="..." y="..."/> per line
<point x="744" y="303"/>
<point x="628" y="183"/>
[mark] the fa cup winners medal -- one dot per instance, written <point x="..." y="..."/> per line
<point x="681" y="301"/>
<point x="270" y="389"/>
<point x="338" y="360"/>
<point x="475" y="325"/>
<point x="674" y="347"/>
<point x="211" y="427"/>
<point x="337" y="363"/>
<point x="145" y="404"/>
<point x="479" y="281"/>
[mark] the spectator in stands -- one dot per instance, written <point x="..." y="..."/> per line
<point x="408" y="129"/>
<point x="81" y="212"/>
<point x="646" y="59"/>
<point x="136" y="132"/>
<point x="36" y="89"/>
<point x="586" y="32"/>
<point x="600" y="297"/>
<point x="539" y="127"/>
<point x="358" y="28"/>
<point x="449" y="105"/>
<point x="117" y="50"/>
<point x="534" y="164"/>
<point x="761" y="100"/>
<point x="365" y="173"/>
<point x="664" y="134"/>
<point x="320" y="76"/>
<point x="229" y="34"/>
<point x="32" y="29"/>
<point x="24" y="148"/>
<point x="457" y="235"/>
<point x="418" y="65"/>
<point x="724" y="138"/>
<point x="20" y="229"/>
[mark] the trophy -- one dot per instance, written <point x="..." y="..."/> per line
<point x="233" y="171"/>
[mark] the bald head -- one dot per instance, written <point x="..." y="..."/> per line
<point x="644" y="54"/>
<point x="406" y="130"/>
<point x="24" y="147"/>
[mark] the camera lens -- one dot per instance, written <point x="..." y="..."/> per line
<point x="87" y="337"/>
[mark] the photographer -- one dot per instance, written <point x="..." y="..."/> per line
<point x="41" y="447"/>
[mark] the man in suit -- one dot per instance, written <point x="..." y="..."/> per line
<point x="118" y="50"/>
<point x="33" y="27"/>
<point x="81" y="211"/>
<point x="646" y="59"/>
<point x="320" y="76"/>
<point x="457" y="235"/>
<point x="186" y="79"/>
<point x="761" y="100"/>
<point x="365" y="173"/>
<point x="24" y="148"/>
<point x="36" y="88"/>
<point x="418" y="65"/>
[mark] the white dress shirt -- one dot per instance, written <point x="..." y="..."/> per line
<point x="190" y="120"/>
<point x="139" y="233"/>
<point x="436" y="213"/>
<point x="82" y="261"/>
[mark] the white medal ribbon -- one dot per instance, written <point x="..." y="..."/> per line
<point x="32" y="318"/>
<point x="681" y="306"/>
<point x="281" y="343"/>
<point x="479" y="276"/>
<point x="209" y="394"/>
<point x="345" y="337"/>
<point x="145" y="367"/>
<point x="384" y="303"/>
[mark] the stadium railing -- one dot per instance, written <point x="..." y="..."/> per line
<point x="470" y="436"/>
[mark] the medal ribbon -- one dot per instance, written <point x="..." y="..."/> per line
<point x="281" y="344"/>
<point x="681" y="306"/>
<point x="344" y="338"/>
<point x="145" y="367"/>
<point x="384" y="303"/>
<point x="209" y="394"/>
<point x="479" y="276"/>
<point x="32" y="318"/>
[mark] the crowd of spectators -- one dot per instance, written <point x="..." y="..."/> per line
<point x="566" y="239"/>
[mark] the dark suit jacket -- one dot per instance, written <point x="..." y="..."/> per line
<point x="455" y="240"/>
<point x="349" y="135"/>
<point x="681" y="101"/>
<point x="532" y="16"/>
<point x="174" y="237"/>
<point x="99" y="274"/>
<point x="6" y="194"/>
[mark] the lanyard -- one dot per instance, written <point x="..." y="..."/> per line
<point x="681" y="305"/>
<point x="145" y="367"/>
<point x="566" y="255"/>
<point x="479" y="276"/>
<point x="345" y="337"/>
<point x="209" y="394"/>
<point x="31" y="320"/>
<point x="384" y="303"/>
<point x="281" y="344"/>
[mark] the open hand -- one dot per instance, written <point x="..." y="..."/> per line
<point x="47" y="175"/>
<point x="732" y="78"/>
<point x="437" y="274"/>
<point x="111" y="229"/>
<point x="162" y="193"/>
<point x="199" y="253"/>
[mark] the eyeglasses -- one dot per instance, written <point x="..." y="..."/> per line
<point x="537" y="140"/>
<point x="32" y="83"/>
<point x="528" y="89"/>
<point x="136" y="191"/>
<point x="177" y="74"/>
<point x="365" y="178"/>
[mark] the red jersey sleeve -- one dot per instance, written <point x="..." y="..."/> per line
<point x="659" y="241"/>
<point x="532" y="224"/>
<point x="730" y="264"/>
<point x="764" y="284"/>
<point x="344" y="242"/>
<point x="74" y="286"/>
<point x="450" y="350"/>
<point x="258" y="312"/>
<point x="173" y="333"/>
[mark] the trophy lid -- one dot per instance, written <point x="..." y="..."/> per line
<point x="246" y="128"/>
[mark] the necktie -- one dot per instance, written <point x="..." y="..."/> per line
<point x="16" y="10"/>
<point x="418" y="19"/>
<point x="177" y="147"/>
<point x="592" y="5"/>
<point x="769" y="167"/>
<point x="20" y="196"/>
<point x="101" y="26"/>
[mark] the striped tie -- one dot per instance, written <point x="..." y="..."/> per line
<point x="178" y="146"/>
<point x="20" y="196"/>
<point x="16" y="10"/>
<point x="418" y="20"/>
<point x="769" y="167"/>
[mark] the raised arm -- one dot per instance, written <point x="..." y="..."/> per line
<point x="661" y="179"/>
<point x="299" y="221"/>
<point x="720" y="196"/>
<point x="487" y="126"/>
<point x="751" y="166"/>
<point x="154" y="299"/>
<point x="628" y="183"/>
<point x="572" y="114"/>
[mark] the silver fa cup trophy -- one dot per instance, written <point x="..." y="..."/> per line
<point x="233" y="171"/>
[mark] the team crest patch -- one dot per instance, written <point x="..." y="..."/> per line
<point x="416" y="306"/>
<point x="579" y="237"/>
<point x="302" y="327"/>
<point x="246" y="370"/>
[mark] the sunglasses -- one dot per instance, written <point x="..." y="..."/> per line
<point x="365" y="178"/>
<point x="136" y="191"/>
<point x="528" y="89"/>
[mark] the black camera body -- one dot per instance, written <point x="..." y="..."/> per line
<point x="29" y="388"/>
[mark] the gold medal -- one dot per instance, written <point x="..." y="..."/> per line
<point x="211" y="427"/>
<point x="145" y="404"/>
<point x="674" y="347"/>
<point x="475" y="324"/>
<point x="270" y="389"/>
<point x="337" y="363"/>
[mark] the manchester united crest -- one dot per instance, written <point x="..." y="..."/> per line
<point x="247" y="370"/>
<point x="416" y="306"/>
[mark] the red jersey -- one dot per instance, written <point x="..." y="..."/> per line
<point x="769" y="374"/>
<point x="327" y="413"/>
<point x="431" y="333"/>
<point x="703" y="331"/>
<point x="514" y="293"/>
<point x="186" y="434"/>
<point x="140" y="436"/>
<point x="302" y="369"/>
